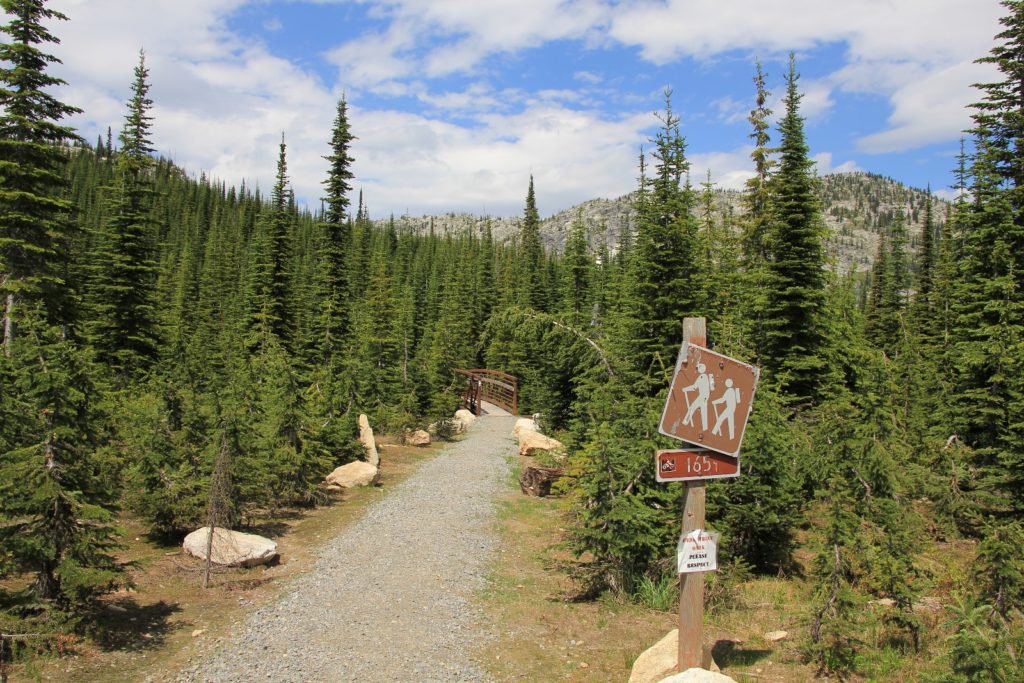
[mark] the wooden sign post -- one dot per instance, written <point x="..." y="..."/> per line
<point x="691" y="585"/>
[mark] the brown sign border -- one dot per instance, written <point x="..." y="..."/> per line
<point x="684" y="352"/>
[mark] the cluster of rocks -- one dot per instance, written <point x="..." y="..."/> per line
<point x="536" y="479"/>
<point x="359" y="472"/>
<point x="237" y="549"/>
<point x="658" y="664"/>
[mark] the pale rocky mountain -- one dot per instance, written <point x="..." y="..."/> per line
<point x="856" y="206"/>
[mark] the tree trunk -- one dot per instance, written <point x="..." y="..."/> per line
<point x="8" y="325"/>
<point x="536" y="480"/>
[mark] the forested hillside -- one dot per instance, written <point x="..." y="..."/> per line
<point x="190" y="353"/>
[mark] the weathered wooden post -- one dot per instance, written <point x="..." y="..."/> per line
<point x="691" y="585"/>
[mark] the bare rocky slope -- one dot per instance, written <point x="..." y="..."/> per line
<point x="856" y="206"/>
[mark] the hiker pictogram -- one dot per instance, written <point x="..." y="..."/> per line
<point x="709" y="385"/>
<point x="703" y="386"/>
<point x="731" y="399"/>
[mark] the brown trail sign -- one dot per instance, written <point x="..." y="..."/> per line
<point x="690" y="464"/>
<point x="710" y="400"/>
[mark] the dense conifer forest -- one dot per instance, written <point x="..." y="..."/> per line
<point x="186" y="352"/>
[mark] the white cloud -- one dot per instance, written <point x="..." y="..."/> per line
<point x="377" y="57"/>
<point x="930" y="109"/>
<point x="436" y="38"/>
<point x="729" y="170"/>
<point x="222" y="103"/>
<point x="573" y="156"/>
<point x="907" y="50"/>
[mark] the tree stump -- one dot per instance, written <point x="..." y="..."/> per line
<point x="536" y="480"/>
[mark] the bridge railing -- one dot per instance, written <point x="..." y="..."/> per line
<point x="493" y="386"/>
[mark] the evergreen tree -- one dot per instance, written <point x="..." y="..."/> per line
<point x="578" y="267"/>
<point x="988" y="351"/>
<point x="268" y="276"/>
<point x="34" y="231"/>
<point x="531" y="253"/>
<point x="58" y="484"/>
<point x="757" y="191"/>
<point x="123" y="324"/>
<point x="795" y="333"/>
<point x="334" y="288"/>
<point x="665" y="262"/>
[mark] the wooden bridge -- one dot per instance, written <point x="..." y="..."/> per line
<point x="489" y="386"/>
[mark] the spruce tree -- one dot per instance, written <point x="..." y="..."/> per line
<point x="532" y="266"/>
<point x="268" y="270"/>
<point x="123" y="327"/>
<point x="334" y="288"/>
<point x="578" y="267"/>
<point x="665" y="262"/>
<point x="58" y="483"/>
<point x="757" y="190"/>
<point x="795" y="333"/>
<point x="988" y="351"/>
<point x="34" y="230"/>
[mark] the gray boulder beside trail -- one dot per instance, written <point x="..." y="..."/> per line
<point x="230" y="548"/>
<point x="418" y="438"/>
<point x="353" y="474"/>
<point x="463" y="420"/>
<point x="531" y="442"/>
<point x="369" y="443"/>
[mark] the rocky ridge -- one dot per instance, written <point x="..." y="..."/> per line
<point x="856" y="206"/>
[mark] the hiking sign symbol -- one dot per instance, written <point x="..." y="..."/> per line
<point x="707" y="384"/>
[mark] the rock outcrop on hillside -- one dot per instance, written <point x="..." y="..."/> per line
<point x="856" y="206"/>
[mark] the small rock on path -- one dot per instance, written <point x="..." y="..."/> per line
<point x="390" y="598"/>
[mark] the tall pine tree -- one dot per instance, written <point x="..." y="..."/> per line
<point x="123" y="327"/>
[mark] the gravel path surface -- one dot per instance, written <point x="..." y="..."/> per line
<point x="390" y="598"/>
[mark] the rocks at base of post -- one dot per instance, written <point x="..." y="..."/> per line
<point x="230" y="548"/>
<point x="698" y="676"/>
<point x="658" y="663"/>
<point x="369" y="443"/>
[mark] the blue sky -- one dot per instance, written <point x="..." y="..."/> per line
<point x="456" y="102"/>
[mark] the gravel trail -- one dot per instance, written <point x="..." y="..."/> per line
<point x="390" y="598"/>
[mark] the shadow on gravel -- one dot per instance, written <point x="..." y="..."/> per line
<point x="127" y="625"/>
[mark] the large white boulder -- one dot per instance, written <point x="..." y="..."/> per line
<point x="531" y="442"/>
<point x="657" y="661"/>
<point x="463" y="420"/>
<point x="524" y="423"/>
<point x="369" y="443"/>
<point x="353" y="474"/>
<point x="230" y="548"/>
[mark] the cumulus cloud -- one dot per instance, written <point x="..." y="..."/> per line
<point x="223" y="102"/>
<point x="909" y="51"/>
<point x="572" y="155"/>
<point x="930" y="109"/>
